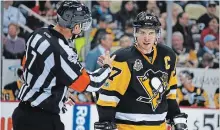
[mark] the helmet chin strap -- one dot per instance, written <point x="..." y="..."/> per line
<point x="75" y="35"/>
<point x="71" y="40"/>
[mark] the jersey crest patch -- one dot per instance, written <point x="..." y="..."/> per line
<point x="154" y="84"/>
<point x="138" y="65"/>
<point x="73" y="58"/>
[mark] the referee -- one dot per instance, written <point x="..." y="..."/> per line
<point x="51" y="66"/>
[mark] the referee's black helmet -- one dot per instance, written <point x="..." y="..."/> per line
<point x="71" y="13"/>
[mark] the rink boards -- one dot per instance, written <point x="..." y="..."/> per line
<point x="82" y="117"/>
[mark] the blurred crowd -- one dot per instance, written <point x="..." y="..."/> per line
<point x="195" y="27"/>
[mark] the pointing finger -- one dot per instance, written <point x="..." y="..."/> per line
<point x="113" y="57"/>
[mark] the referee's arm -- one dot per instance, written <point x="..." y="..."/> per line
<point x="74" y="75"/>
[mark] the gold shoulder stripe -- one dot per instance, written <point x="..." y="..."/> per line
<point x="118" y="81"/>
<point x="173" y="79"/>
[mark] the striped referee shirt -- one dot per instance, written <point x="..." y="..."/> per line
<point x="51" y="66"/>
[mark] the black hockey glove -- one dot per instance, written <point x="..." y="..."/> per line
<point x="180" y="121"/>
<point x="64" y="109"/>
<point x="105" y="126"/>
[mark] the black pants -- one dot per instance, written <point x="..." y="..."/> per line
<point x="26" y="117"/>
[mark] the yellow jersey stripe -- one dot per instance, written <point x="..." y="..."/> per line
<point x="136" y="127"/>
<point x="171" y="96"/>
<point x="173" y="79"/>
<point x="140" y="117"/>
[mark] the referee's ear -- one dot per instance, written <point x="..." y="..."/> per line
<point x="77" y="29"/>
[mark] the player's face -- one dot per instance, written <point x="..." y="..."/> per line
<point x="184" y="79"/>
<point x="181" y="78"/>
<point x="146" y="39"/>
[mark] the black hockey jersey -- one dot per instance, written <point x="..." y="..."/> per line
<point x="196" y="97"/>
<point x="136" y="93"/>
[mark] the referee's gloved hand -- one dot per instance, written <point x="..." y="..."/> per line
<point x="70" y="102"/>
<point x="71" y="99"/>
<point x="104" y="60"/>
<point x="64" y="109"/>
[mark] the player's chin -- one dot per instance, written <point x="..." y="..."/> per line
<point x="147" y="45"/>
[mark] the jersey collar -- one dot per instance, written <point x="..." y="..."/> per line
<point x="154" y="54"/>
<point x="57" y="34"/>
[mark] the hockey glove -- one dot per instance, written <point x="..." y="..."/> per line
<point x="64" y="109"/>
<point x="180" y="121"/>
<point x="105" y="126"/>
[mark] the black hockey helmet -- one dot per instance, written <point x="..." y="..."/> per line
<point x="147" y="20"/>
<point x="71" y="13"/>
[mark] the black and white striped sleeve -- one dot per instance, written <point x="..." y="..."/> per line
<point x="74" y="75"/>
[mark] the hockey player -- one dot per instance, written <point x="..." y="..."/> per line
<point x="188" y="94"/>
<point x="140" y="93"/>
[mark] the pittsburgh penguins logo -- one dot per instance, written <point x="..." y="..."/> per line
<point x="154" y="84"/>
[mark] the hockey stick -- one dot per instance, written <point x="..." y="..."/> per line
<point x="203" y="80"/>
